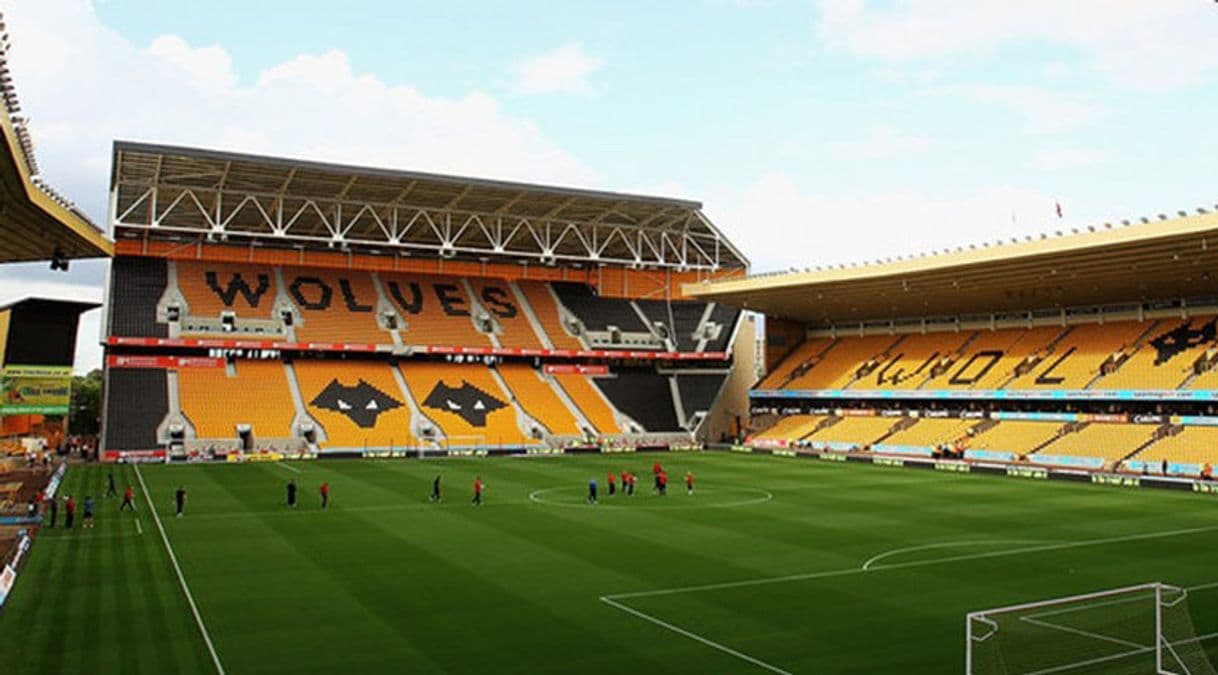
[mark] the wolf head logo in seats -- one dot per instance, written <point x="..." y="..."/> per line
<point x="1180" y="339"/>
<point x="362" y="403"/>
<point x="467" y="402"/>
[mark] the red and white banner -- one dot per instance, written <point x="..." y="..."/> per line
<point x="573" y="369"/>
<point x="135" y="456"/>
<point x="140" y="361"/>
<point x="213" y="343"/>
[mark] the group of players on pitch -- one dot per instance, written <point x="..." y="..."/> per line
<point x="660" y="486"/>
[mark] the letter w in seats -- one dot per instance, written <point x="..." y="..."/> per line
<point x="237" y="285"/>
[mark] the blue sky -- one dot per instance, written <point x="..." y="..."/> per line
<point x="814" y="131"/>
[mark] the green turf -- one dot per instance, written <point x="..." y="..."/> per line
<point x="385" y="582"/>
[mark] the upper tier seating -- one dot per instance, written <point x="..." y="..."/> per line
<point x="643" y="395"/>
<point x="136" y="285"/>
<point x="258" y="396"/>
<point x="1076" y="358"/>
<point x="335" y="306"/>
<point x="536" y="396"/>
<point x="726" y="317"/>
<point x="842" y="362"/>
<point x="680" y="319"/>
<point x="803" y="352"/>
<point x="597" y="313"/>
<point x="498" y="299"/>
<point x="591" y="402"/>
<point x="137" y="401"/>
<point x="466" y="402"/>
<point x="437" y="310"/>
<point x="1191" y="445"/>
<point x="912" y="361"/>
<point x="989" y="360"/>
<point x="1165" y="359"/>
<point x="545" y="307"/>
<point x="357" y="403"/>
<point x="790" y="428"/>
<point x="1110" y="441"/>
<point x="213" y="288"/>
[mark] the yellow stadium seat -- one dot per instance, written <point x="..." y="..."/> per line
<point x="358" y="403"/>
<point x="258" y="396"/>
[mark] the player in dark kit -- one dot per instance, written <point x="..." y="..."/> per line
<point x="478" y="491"/>
<point x="53" y="505"/>
<point x="87" y="520"/>
<point x="662" y="482"/>
<point x="180" y="497"/>
<point x="325" y="496"/>
<point x="592" y="491"/>
<point x="128" y="500"/>
<point x="435" y="491"/>
<point x="292" y="493"/>
<point x="111" y="491"/>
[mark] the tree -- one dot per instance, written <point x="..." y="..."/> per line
<point x="85" y="414"/>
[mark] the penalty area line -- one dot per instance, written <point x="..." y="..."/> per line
<point x="694" y="636"/>
<point x="173" y="558"/>
<point x="289" y="467"/>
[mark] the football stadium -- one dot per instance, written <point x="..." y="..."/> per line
<point x="358" y="419"/>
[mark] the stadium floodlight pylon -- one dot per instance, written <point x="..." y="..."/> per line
<point x="1136" y="629"/>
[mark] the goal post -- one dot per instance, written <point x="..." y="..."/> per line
<point x="1136" y="629"/>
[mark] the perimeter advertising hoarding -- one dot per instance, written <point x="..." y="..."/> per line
<point x="35" y="390"/>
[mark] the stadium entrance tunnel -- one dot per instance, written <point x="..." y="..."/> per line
<point x="711" y="496"/>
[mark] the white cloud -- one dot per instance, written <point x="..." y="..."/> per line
<point x="882" y="142"/>
<point x="210" y="68"/>
<point x="781" y="225"/>
<point x="561" y="70"/>
<point x="1044" y="111"/>
<point x="1146" y="44"/>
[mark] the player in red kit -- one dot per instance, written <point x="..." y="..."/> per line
<point x="689" y="482"/>
<point x="325" y="496"/>
<point x="612" y="484"/>
<point x="478" y="491"/>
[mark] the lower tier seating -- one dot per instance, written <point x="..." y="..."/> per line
<point x="699" y="391"/>
<point x="860" y="431"/>
<point x="930" y="432"/>
<point x="1016" y="436"/>
<point x="1112" y="442"/>
<point x="1190" y="445"/>
<point x="791" y="428"/>
<point x="257" y="395"/>
<point x="466" y="402"/>
<point x="537" y="398"/>
<point x="358" y="404"/>
<point x="137" y="401"/>
<point x="643" y="395"/>
<point x="591" y="402"/>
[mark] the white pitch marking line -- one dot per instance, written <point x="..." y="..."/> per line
<point x="289" y="467"/>
<point x="947" y="544"/>
<point x="139" y="529"/>
<point x="915" y="563"/>
<point x="173" y="558"/>
<point x="694" y="636"/>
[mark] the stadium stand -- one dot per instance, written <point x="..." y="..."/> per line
<point x="436" y="310"/>
<point x="1016" y="436"/>
<point x="680" y="320"/>
<point x="990" y="359"/>
<point x="213" y="288"/>
<point x="590" y="401"/>
<point x="466" y="402"/>
<point x="598" y="313"/>
<point x="1110" y="441"/>
<point x="726" y="318"/>
<point x="795" y="363"/>
<point x="643" y="395"/>
<point x="791" y="428"/>
<point x="537" y="397"/>
<point x="843" y="361"/>
<point x="929" y="432"/>
<point x="137" y="401"/>
<point x="335" y="306"/>
<point x="1184" y="444"/>
<point x="140" y="282"/>
<point x="913" y="361"/>
<point x="257" y="394"/>
<point x="699" y="391"/>
<point x="853" y="430"/>
<point x="1166" y="359"/>
<point x="545" y="308"/>
<point x="357" y="403"/>
<point x="1074" y="361"/>
<point x="497" y="298"/>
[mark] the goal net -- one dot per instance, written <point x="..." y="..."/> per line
<point x="1139" y="629"/>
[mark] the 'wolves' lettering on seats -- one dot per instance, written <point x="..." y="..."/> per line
<point x="362" y="404"/>
<point x="467" y="402"/>
<point x="349" y="297"/>
<point x="899" y="375"/>
<point x="450" y="298"/>
<point x="1180" y="339"/>
<point x="415" y="305"/>
<point x="324" y="293"/>
<point x="967" y="374"/>
<point x="238" y="285"/>
<point x="1047" y="376"/>
<point x="497" y="300"/>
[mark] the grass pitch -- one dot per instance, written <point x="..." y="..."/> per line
<point x="761" y="570"/>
